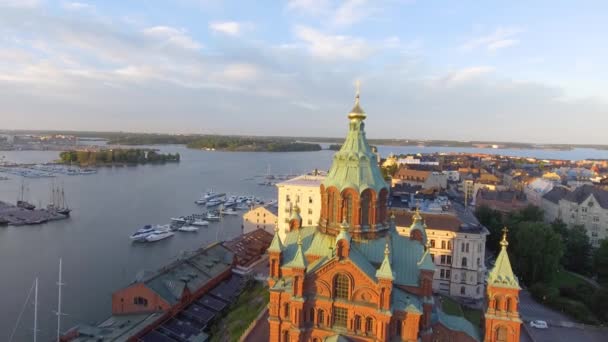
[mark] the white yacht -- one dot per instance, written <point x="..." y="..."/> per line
<point x="178" y="220"/>
<point x="200" y="223"/>
<point x="229" y="211"/>
<point x="188" y="229"/>
<point x="159" y="235"/>
<point x="142" y="233"/>
<point x="212" y="216"/>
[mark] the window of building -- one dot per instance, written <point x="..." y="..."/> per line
<point x="309" y="222"/>
<point x="309" y="211"/>
<point x="433" y="243"/>
<point x="584" y="209"/>
<point x="448" y="274"/>
<point x="467" y="247"/>
<point x="341" y="284"/>
<point x="443" y="245"/>
<point x="501" y="334"/>
<point x="348" y="203"/>
<point x="479" y="248"/>
<point x="321" y="317"/>
<point x="596" y="219"/>
<point x="462" y="247"/>
<point x="340" y="317"/>
<point x="140" y="301"/>
<point x="311" y="315"/>
<point x="449" y="259"/>
<point x="309" y="200"/>
<point x="449" y="245"/>
<point x="357" y="323"/>
<point x="464" y="262"/>
<point x="287" y="198"/>
<point x="478" y="262"/>
<point x="462" y="290"/>
<point x="286" y="310"/>
<point x="369" y="325"/>
<point x="442" y="274"/>
<point x="443" y="259"/>
<point x="285" y="335"/>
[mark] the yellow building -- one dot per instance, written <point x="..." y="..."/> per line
<point x="261" y="217"/>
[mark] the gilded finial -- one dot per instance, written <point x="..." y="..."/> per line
<point x="299" y="238"/>
<point x="386" y="250"/>
<point x="344" y="224"/>
<point x="358" y="90"/>
<point x="504" y="243"/>
<point x="276" y="227"/>
<point x="357" y="112"/>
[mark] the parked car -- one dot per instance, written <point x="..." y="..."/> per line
<point x="539" y="324"/>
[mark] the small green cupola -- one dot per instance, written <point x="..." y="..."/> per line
<point x="418" y="228"/>
<point x="502" y="274"/>
<point x="386" y="271"/>
<point x="276" y="245"/>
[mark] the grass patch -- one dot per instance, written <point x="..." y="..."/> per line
<point x="240" y="314"/>
<point x="564" y="278"/>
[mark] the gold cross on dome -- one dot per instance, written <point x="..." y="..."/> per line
<point x="358" y="86"/>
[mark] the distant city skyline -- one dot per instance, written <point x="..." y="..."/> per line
<point x="514" y="72"/>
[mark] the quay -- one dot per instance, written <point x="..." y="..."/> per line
<point x="12" y="215"/>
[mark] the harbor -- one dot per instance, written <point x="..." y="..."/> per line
<point x="17" y="216"/>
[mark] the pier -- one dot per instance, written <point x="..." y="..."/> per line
<point x="15" y="216"/>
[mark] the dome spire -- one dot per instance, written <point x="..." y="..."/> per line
<point x="357" y="113"/>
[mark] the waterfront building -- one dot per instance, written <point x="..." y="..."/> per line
<point x="303" y="192"/>
<point x="457" y="250"/>
<point x="261" y="217"/>
<point x="352" y="276"/>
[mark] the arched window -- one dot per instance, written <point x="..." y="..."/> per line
<point x="332" y="206"/>
<point x="321" y="317"/>
<point x="285" y="336"/>
<point x="509" y="303"/>
<point x="286" y="310"/>
<point x="341" y="286"/>
<point x="348" y="208"/>
<point x="140" y="301"/>
<point x="369" y="325"/>
<point x="464" y="262"/>
<point x="366" y="201"/>
<point x="501" y="334"/>
<point x="311" y="315"/>
<point x="357" y="323"/>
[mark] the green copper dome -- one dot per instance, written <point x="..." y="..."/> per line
<point x="355" y="165"/>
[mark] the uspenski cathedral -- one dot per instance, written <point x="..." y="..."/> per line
<point x="352" y="277"/>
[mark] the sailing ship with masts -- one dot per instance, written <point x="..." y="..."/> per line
<point x="58" y="203"/>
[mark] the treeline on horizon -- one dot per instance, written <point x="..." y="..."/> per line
<point x="117" y="156"/>
<point x="130" y="138"/>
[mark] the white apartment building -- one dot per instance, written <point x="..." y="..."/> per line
<point x="303" y="191"/>
<point x="458" y="251"/>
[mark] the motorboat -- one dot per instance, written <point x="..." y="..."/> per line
<point x="188" y="229"/>
<point x="163" y="228"/>
<point x="178" y="219"/>
<point x="230" y="211"/>
<point x="142" y="233"/>
<point x="200" y="223"/>
<point x="214" y="202"/>
<point x="211" y="216"/>
<point x="159" y="235"/>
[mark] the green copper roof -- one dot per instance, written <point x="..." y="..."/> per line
<point x="426" y="263"/>
<point x="405" y="301"/>
<point x="458" y="323"/>
<point x="355" y="165"/>
<point x="298" y="261"/>
<point x="385" y="271"/>
<point x="502" y="274"/>
<point x="276" y="245"/>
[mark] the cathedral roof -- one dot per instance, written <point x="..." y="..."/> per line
<point x="355" y="165"/>
<point x="276" y="245"/>
<point x="405" y="301"/>
<point x="298" y="260"/>
<point x="502" y="274"/>
<point x="368" y="255"/>
<point x="385" y="271"/>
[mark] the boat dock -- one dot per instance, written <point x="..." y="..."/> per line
<point x="16" y="216"/>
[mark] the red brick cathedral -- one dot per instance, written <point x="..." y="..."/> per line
<point x="352" y="277"/>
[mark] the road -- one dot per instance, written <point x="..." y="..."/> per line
<point x="561" y="327"/>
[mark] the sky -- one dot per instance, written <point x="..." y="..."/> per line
<point x="529" y="71"/>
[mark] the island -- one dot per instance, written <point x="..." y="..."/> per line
<point x="108" y="157"/>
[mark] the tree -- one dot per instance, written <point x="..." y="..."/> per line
<point x="537" y="252"/>
<point x="600" y="262"/>
<point x="493" y="220"/>
<point x="577" y="255"/>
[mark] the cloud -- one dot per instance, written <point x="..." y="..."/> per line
<point x="499" y="39"/>
<point x="240" y="72"/>
<point x="335" y="13"/>
<point x="231" y="28"/>
<point x="172" y="36"/>
<point x="20" y="3"/>
<point x="311" y="7"/>
<point x="332" y="47"/>
<point x="466" y="74"/>
<point x="77" y="6"/>
<point x="351" y="12"/>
